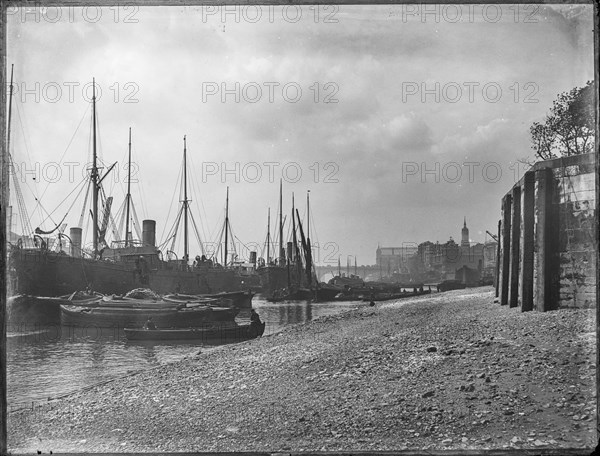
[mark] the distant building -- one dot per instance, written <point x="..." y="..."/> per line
<point x="465" y="235"/>
<point x="431" y="261"/>
<point x="490" y="255"/>
<point x="464" y="262"/>
<point x="395" y="259"/>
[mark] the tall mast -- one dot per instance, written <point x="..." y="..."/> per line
<point x="128" y="199"/>
<point x="226" y="224"/>
<point x="295" y="241"/>
<point x="281" y="249"/>
<point x="94" y="171"/>
<point x="308" y="214"/>
<point x="306" y="250"/>
<point x="339" y="268"/>
<point x="309" y="251"/>
<point x="9" y="109"/>
<point x="12" y="67"/>
<point x="268" y="235"/>
<point x="185" y="205"/>
<point x="294" y="237"/>
<point x="355" y="267"/>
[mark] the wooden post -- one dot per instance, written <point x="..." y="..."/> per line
<point x="515" y="238"/>
<point x="545" y="245"/>
<point x="505" y="249"/>
<point x="527" y="231"/>
<point x="497" y="275"/>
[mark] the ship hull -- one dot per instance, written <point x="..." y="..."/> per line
<point x="273" y="278"/>
<point x="327" y="293"/>
<point x="43" y="273"/>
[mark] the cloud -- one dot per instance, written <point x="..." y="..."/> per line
<point x="363" y="142"/>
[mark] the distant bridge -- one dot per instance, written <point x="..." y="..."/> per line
<point x="361" y="271"/>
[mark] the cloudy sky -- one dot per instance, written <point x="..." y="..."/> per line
<point x="399" y="121"/>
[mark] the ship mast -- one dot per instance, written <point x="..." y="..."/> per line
<point x="226" y="225"/>
<point x="306" y="250"/>
<point x="94" y="175"/>
<point x="9" y="119"/>
<point x="308" y="214"/>
<point x="295" y="241"/>
<point x="309" y="251"/>
<point x="268" y="235"/>
<point x="128" y="192"/>
<point x="281" y="249"/>
<point x="294" y="237"/>
<point x="8" y="228"/>
<point x="185" y="205"/>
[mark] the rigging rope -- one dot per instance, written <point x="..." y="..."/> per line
<point x="171" y="207"/>
<point x="68" y="145"/>
<point x="197" y="233"/>
<point x="194" y="186"/>
<point x="135" y="221"/>
<point x="85" y="200"/>
<point x="17" y="187"/>
<point x="63" y="200"/>
<point x="176" y="229"/>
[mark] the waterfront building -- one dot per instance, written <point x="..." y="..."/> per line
<point x="432" y="261"/>
<point x="395" y="259"/>
<point x="465" y="235"/>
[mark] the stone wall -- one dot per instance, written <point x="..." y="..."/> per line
<point x="548" y="237"/>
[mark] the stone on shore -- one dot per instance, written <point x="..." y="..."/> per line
<point x="365" y="379"/>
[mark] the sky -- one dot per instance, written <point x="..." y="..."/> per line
<point x="399" y="120"/>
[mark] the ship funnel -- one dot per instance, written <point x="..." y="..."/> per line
<point x="75" y="235"/>
<point x="149" y="232"/>
<point x="290" y="251"/>
<point x="253" y="258"/>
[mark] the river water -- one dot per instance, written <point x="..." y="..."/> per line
<point x="47" y="361"/>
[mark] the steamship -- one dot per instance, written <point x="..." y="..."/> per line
<point x="35" y="269"/>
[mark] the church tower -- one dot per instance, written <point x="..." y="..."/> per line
<point x="465" y="235"/>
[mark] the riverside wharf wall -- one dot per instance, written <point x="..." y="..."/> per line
<point x="549" y="238"/>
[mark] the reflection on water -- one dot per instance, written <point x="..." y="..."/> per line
<point x="49" y="360"/>
<point x="277" y="315"/>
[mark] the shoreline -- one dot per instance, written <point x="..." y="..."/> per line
<point x="453" y="370"/>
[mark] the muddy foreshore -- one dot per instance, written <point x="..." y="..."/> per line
<point x="450" y="370"/>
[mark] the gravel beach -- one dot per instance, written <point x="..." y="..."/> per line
<point x="449" y="370"/>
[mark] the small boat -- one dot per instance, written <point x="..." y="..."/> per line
<point x="132" y="303"/>
<point x="108" y="317"/>
<point x="294" y="294"/>
<point x="239" y="299"/>
<point x="46" y="309"/>
<point x="229" y="333"/>
<point x="77" y="298"/>
<point x="326" y="292"/>
<point x="81" y="298"/>
<point x="390" y="296"/>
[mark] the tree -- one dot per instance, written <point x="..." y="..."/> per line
<point x="569" y="127"/>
